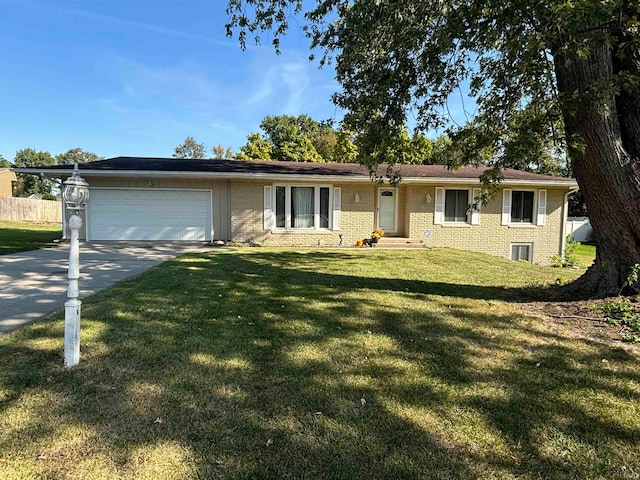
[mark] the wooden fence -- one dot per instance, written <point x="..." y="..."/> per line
<point x="30" y="210"/>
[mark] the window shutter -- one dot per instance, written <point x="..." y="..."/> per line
<point x="542" y="207"/>
<point x="337" y="206"/>
<point x="506" y="206"/>
<point x="438" y="214"/>
<point x="477" y="204"/>
<point x="269" y="219"/>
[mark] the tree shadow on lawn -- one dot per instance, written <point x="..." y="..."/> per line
<point x="245" y="366"/>
<point x="309" y="268"/>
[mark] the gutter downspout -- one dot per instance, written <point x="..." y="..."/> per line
<point x="64" y="221"/>
<point x="565" y="215"/>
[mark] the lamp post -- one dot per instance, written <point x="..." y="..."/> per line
<point x="75" y="194"/>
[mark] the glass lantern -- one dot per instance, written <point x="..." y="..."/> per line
<point x="76" y="191"/>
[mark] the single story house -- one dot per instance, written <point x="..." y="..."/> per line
<point x="311" y="204"/>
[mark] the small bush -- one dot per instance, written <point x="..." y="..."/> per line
<point x="569" y="259"/>
<point x="632" y="277"/>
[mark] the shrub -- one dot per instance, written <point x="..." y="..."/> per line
<point x="621" y="311"/>
<point x="569" y="259"/>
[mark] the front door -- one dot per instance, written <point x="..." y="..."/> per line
<point x="387" y="209"/>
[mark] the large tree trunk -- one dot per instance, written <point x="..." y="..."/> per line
<point x="604" y="148"/>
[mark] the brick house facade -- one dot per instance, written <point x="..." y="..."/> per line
<point x="313" y="205"/>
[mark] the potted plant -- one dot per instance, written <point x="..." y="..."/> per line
<point x="376" y="234"/>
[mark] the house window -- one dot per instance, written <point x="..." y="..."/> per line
<point x="521" y="251"/>
<point x="302" y="207"/>
<point x="524" y="207"/>
<point x="280" y="207"/>
<point x="456" y="206"/>
<point x="324" y="207"/>
<point x="521" y="206"/>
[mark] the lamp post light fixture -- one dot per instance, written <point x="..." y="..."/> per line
<point x="75" y="194"/>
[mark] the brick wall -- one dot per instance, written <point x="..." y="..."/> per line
<point x="238" y="214"/>
<point x="356" y="222"/>
<point x="6" y="179"/>
<point x="490" y="236"/>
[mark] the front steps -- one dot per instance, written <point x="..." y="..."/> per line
<point x="400" y="242"/>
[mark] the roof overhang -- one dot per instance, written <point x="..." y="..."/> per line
<point x="57" y="173"/>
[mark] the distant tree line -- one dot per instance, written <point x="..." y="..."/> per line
<point x="27" y="184"/>
<point x="303" y="139"/>
<point x="190" y="148"/>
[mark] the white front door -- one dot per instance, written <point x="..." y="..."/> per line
<point x="387" y="209"/>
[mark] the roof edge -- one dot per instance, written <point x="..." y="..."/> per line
<point x="566" y="183"/>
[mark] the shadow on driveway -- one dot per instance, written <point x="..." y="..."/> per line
<point x="34" y="283"/>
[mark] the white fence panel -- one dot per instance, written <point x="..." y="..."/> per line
<point x="579" y="228"/>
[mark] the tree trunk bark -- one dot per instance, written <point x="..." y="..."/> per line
<point x="603" y="134"/>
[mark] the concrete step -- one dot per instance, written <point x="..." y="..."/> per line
<point x="400" y="242"/>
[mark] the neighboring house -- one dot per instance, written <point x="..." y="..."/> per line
<point x="311" y="204"/>
<point x="7" y="177"/>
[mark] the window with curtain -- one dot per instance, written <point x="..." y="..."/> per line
<point x="302" y="207"/>
<point x="521" y="207"/>
<point x="324" y="207"/>
<point x="281" y="217"/>
<point x="456" y="205"/>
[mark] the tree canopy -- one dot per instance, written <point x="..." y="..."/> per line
<point x="28" y="185"/>
<point x="303" y="139"/>
<point x="190" y="149"/>
<point x="543" y="75"/>
<point x="76" y="155"/>
<point x="284" y="138"/>
<point x="220" y="153"/>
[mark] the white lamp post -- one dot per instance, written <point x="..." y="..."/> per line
<point x="75" y="194"/>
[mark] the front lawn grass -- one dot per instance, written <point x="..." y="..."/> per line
<point x="350" y="364"/>
<point x="22" y="236"/>
<point x="585" y="254"/>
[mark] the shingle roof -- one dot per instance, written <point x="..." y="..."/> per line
<point x="275" y="168"/>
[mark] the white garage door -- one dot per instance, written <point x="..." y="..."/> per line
<point x="147" y="214"/>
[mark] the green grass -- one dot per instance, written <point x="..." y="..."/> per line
<point x="586" y="254"/>
<point x="22" y="236"/>
<point x="285" y="364"/>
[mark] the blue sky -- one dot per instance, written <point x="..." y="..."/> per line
<point x="137" y="77"/>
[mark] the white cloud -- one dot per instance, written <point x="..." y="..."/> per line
<point x="295" y="76"/>
<point x="104" y="18"/>
<point x="207" y="101"/>
<point x="265" y="90"/>
<point x="288" y="84"/>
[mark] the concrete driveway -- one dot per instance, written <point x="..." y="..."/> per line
<point x="34" y="284"/>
